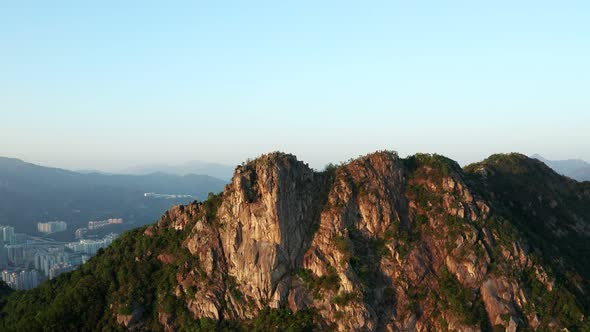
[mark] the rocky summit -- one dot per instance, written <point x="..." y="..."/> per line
<point x="380" y="243"/>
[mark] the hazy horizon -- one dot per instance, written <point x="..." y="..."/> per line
<point x="114" y="85"/>
<point x="129" y="169"/>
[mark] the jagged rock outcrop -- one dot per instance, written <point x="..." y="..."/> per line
<point x="363" y="244"/>
<point x="380" y="243"/>
<point x="267" y="219"/>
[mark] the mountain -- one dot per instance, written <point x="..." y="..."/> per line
<point x="220" y="171"/>
<point x="30" y="193"/>
<point x="576" y="169"/>
<point x="378" y="243"/>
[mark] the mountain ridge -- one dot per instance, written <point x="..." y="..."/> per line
<point x="380" y="242"/>
<point x="31" y="193"/>
<point x="217" y="170"/>
<point x="576" y="169"/>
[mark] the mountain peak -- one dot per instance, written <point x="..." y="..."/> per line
<point x="377" y="243"/>
<point x="276" y="158"/>
<point x="511" y="163"/>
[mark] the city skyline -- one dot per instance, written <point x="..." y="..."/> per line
<point x="28" y="259"/>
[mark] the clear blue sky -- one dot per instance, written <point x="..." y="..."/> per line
<point x="119" y="83"/>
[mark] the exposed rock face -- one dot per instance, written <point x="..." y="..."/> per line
<point x="267" y="217"/>
<point x="363" y="244"/>
<point x="133" y="320"/>
<point x="498" y="294"/>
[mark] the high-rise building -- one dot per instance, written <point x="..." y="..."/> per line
<point x="102" y="223"/>
<point x="3" y="256"/>
<point x="52" y="226"/>
<point x="7" y="234"/>
<point x="21" y="279"/>
<point x="45" y="259"/>
<point x="29" y="279"/>
<point x="91" y="246"/>
<point x="16" y="254"/>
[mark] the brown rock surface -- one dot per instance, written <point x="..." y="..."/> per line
<point x="365" y="245"/>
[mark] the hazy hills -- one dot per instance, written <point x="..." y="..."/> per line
<point x="217" y="170"/>
<point x="31" y="193"/>
<point x="378" y="243"/>
<point x="576" y="169"/>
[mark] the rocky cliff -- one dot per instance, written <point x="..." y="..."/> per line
<point x="379" y="243"/>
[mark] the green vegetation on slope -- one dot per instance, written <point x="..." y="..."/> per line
<point x="137" y="276"/>
<point x="128" y="278"/>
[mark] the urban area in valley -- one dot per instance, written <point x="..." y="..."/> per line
<point x="27" y="260"/>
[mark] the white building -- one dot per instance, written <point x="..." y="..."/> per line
<point x="45" y="259"/>
<point x="102" y="223"/>
<point x="21" y="279"/>
<point x="90" y="247"/>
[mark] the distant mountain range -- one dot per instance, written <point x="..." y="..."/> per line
<point x="190" y="167"/>
<point x="30" y="193"/>
<point x="576" y="169"/>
